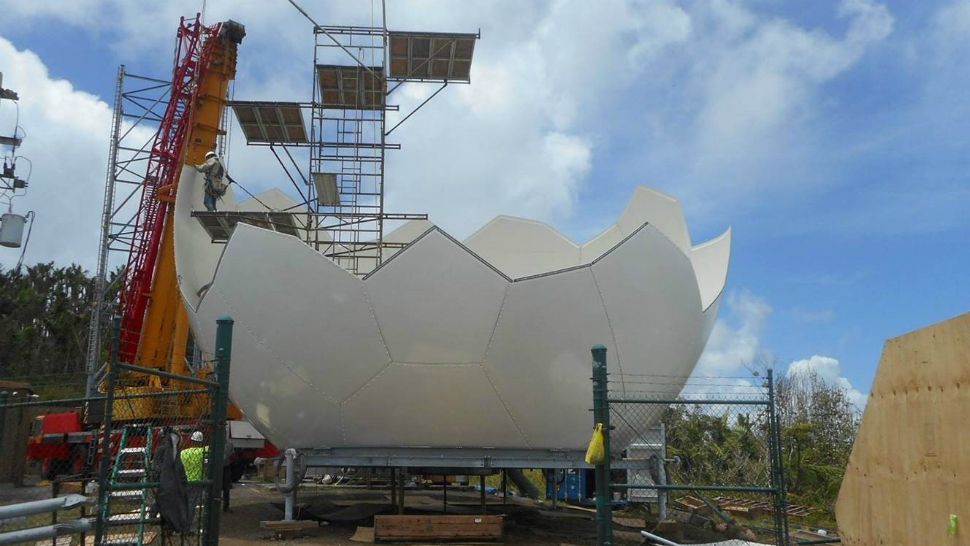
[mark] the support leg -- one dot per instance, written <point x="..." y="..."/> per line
<point x="289" y="501"/>
<point x="400" y="491"/>
<point x="481" y="486"/>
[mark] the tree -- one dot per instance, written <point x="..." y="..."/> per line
<point x="818" y="425"/>
<point x="44" y="330"/>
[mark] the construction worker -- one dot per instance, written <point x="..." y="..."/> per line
<point x="215" y="180"/>
<point x="193" y="460"/>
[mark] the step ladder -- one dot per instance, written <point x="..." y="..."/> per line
<point x="127" y="499"/>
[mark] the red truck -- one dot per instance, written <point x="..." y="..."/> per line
<point x="60" y="443"/>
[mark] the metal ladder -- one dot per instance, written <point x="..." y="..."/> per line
<point x="127" y="483"/>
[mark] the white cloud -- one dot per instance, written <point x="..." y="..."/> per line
<point x="747" y="96"/>
<point x="716" y="93"/>
<point x="814" y="315"/>
<point x="735" y="343"/>
<point x="67" y="134"/>
<point x="828" y="370"/>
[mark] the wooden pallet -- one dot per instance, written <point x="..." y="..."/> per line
<point x="739" y="506"/>
<point x="286" y="529"/>
<point x="437" y="527"/>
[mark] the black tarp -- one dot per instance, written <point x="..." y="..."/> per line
<point x="171" y="497"/>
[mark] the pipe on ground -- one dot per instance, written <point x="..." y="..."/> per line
<point x="47" y="532"/>
<point x="44" y="505"/>
<point x="523" y="484"/>
<point x="658" y="540"/>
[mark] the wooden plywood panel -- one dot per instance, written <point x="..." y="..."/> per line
<point x="910" y="465"/>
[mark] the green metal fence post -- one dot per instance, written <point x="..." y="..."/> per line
<point x="3" y="416"/>
<point x="217" y="446"/>
<point x="601" y="414"/>
<point x="777" y="466"/>
<point x="106" y="426"/>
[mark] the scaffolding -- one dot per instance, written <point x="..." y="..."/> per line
<point x="342" y="190"/>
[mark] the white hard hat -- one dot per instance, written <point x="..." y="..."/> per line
<point x="209" y="154"/>
<point x="197" y="436"/>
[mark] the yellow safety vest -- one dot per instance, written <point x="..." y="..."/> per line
<point x="193" y="459"/>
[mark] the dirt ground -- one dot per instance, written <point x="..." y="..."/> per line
<point x="527" y="521"/>
<point x="341" y="509"/>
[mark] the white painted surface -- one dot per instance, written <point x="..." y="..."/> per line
<point x="436" y="302"/>
<point x="711" y="261"/>
<point x="311" y="316"/>
<point x="651" y="296"/>
<point x="661" y="210"/>
<point x="437" y="348"/>
<point x="602" y="243"/>
<point x="520" y="247"/>
<point x="539" y="359"/>
<point x="428" y="405"/>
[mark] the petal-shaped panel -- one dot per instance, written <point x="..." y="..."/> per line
<point x="405" y="233"/>
<point x="660" y="210"/>
<point x="520" y="247"/>
<point x="310" y="314"/>
<point x="436" y="302"/>
<point x="424" y="405"/>
<point x="601" y="244"/>
<point x="282" y="406"/>
<point x="653" y="304"/>
<point x="710" y="261"/>
<point x="539" y="358"/>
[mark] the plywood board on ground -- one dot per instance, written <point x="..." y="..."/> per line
<point x="437" y="527"/>
<point x="910" y="465"/>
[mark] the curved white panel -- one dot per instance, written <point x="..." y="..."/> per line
<point x="408" y="231"/>
<point x="601" y="244"/>
<point x="710" y="318"/>
<point x="436" y="302"/>
<point x="654" y="308"/>
<point x="479" y="360"/>
<point x="539" y="358"/>
<point x="276" y="401"/>
<point x="520" y="247"/>
<point x="660" y="210"/>
<point x="423" y="405"/>
<point x="710" y="261"/>
<point x="405" y="233"/>
<point x="304" y="309"/>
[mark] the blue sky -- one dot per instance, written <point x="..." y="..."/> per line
<point x="831" y="135"/>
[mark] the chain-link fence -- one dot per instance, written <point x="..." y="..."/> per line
<point x="140" y="462"/>
<point x="712" y="448"/>
<point x="718" y="442"/>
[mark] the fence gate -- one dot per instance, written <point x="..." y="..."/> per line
<point x="118" y="478"/>
<point x="721" y="443"/>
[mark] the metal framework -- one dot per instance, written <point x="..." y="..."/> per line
<point x="343" y="188"/>
<point x="139" y="107"/>
<point x="164" y="162"/>
<point x="347" y="123"/>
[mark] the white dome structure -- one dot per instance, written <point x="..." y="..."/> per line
<point x="484" y="343"/>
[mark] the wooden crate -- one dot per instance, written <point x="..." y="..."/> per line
<point x="437" y="527"/>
